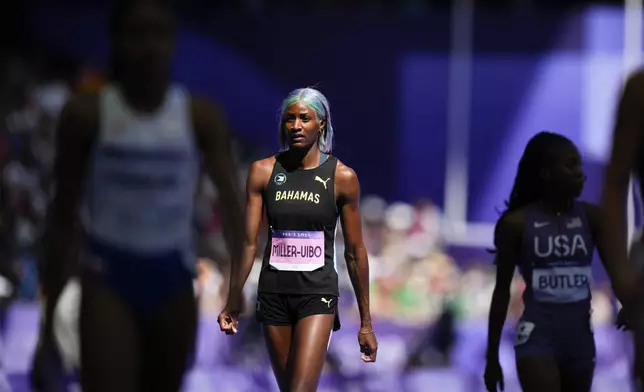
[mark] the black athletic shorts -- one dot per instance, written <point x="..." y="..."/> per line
<point x="287" y="309"/>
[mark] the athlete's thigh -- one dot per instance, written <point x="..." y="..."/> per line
<point x="168" y="342"/>
<point x="109" y="339"/>
<point x="539" y="374"/>
<point x="578" y="380"/>
<point x="308" y="354"/>
<point x="578" y="369"/>
<point x="276" y="317"/>
<point x="278" y="344"/>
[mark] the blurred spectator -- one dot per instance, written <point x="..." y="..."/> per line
<point x="436" y="347"/>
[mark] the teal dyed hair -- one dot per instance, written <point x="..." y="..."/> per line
<point x="316" y="101"/>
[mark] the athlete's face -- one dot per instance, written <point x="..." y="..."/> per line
<point x="147" y="40"/>
<point x="302" y="125"/>
<point x="564" y="172"/>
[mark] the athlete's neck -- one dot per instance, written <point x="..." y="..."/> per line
<point x="144" y="96"/>
<point x="304" y="158"/>
<point x="556" y="205"/>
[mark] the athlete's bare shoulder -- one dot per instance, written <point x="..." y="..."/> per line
<point x="514" y="218"/>
<point x="260" y="172"/>
<point x="627" y="135"/>
<point x="635" y="81"/>
<point x="211" y="130"/>
<point x="207" y="117"/>
<point x="593" y="214"/>
<point x="345" y="177"/>
<point x="200" y="104"/>
<point x="264" y="165"/>
<point x="632" y="100"/>
<point x="509" y="227"/>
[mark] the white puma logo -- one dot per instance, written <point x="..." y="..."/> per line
<point x="327" y="302"/>
<point x="318" y="179"/>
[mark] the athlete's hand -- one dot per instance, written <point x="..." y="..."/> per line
<point x="228" y="321"/>
<point x="622" y="321"/>
<point x="494" y="376"/>
<point x="229" y="317"/>
<point x="368" y="345"/>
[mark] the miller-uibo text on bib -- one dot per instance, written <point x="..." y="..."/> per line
<point x="297" y="250"/>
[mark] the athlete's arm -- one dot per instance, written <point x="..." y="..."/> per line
<point x="598" y="230"/>
<point x="355" y="252"/>
<point x="507" y="240"/>
<point x="258" y="176"/>
<point x="627" y="139"/>
<point x="213" y="138"/>
<point x="75" y="135"/>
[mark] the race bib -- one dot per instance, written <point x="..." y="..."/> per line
<point x="524" y="330"/>
<point x="561" y="284"/>
<point x="297" y="250"/>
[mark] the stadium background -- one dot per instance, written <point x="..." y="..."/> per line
<point x="432" y="108"/>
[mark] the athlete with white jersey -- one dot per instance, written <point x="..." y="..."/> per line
<point x="133" y="153"/>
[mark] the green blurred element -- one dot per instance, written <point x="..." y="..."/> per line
<point x="406" y="298"/>
<point x="457" y="306"/>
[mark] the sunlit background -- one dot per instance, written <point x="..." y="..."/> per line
<point x="432" y="107"/>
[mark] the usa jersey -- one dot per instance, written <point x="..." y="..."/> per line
<point x="556" y="257"/>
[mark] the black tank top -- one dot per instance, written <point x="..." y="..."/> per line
<point x="302" y="217"/>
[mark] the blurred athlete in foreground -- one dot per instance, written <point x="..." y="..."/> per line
<point x="627" y="158"/>
<point x="135" y="149"/>
<point x="303" y="190"/>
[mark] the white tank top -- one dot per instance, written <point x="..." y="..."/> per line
<point x="143" y="176"/>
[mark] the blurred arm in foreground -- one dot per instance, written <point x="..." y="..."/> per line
<point x="507" y="240"/>
<point x="213" y="137"/>
<point x="625" y="159"/>
<point x="77" y="128"/>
